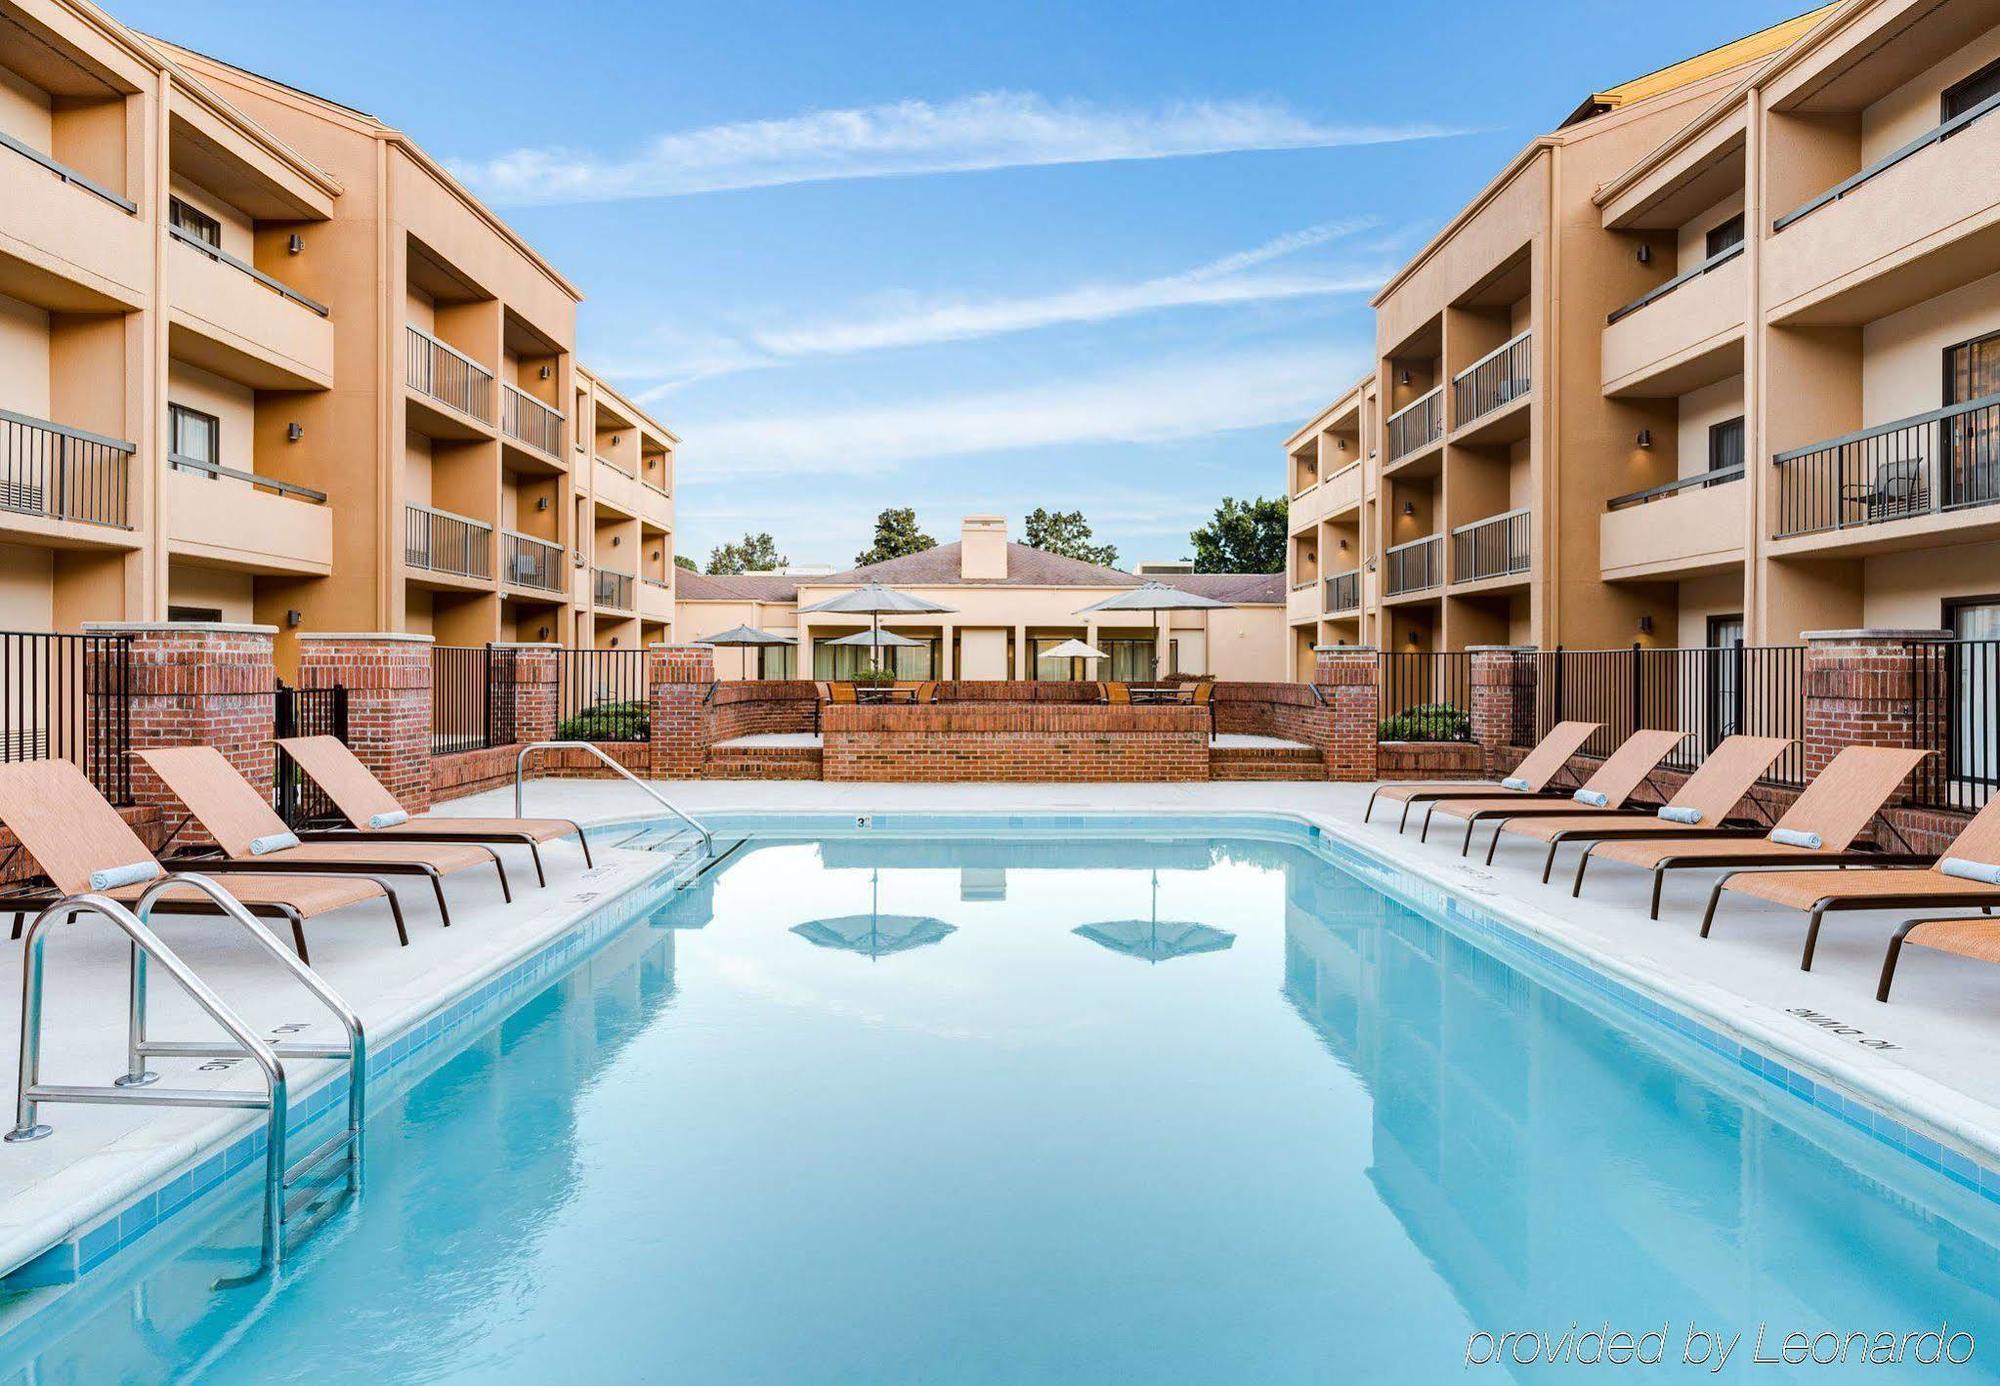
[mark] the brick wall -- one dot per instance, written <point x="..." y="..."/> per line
<point x="388" y="681"/>
<point x="1859" y="692"/>
<point x="532" y="693"/>
<point x="461" y="773"/>
<point x="1015" y="741"/>
<point x="1349" y="677"/>
<point x="759" y="707"/>
<point x="678" y="679"/>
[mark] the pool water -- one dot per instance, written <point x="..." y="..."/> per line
<point x="889" y="1109"/>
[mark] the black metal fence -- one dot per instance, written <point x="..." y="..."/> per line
<point x="467" y="711"/>
<point x="68" y="697"/>
<point x="62" y="473"/>
<point x="601" y="695"/>
<point x="1426" y="695"/>
<point x="1708" y="692"/>
<point x="1955" y="712"/>
<point x="305" y="712"/>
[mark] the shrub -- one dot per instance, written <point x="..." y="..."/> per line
<point x="1427" y="722"/>
<point x="871" y="675"/>
<point x="625" y="721"/>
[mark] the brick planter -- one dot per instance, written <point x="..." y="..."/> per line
<point x="1033" y="743"/>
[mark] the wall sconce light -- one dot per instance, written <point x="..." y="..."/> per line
<point x="656" y="555"/>
<point x="614" y="642"/>
<point x="1340" y="444"/>
<point x="1645" y="254"/>
<point x="296" y="245"/>
<point x="541" y="502"/>
<point x="294" y="431"/>
<point x="294" y="618"/>
<point x="541" y="632"/>
<point x="1645" y="625"/>
<point x="616" y="540"/>
<point x="1402" y="377"/>
<point x="1343" y="546"/>
<point x="1411" y="637"/>
<point x="1645" y="438"/>
<point x="542" y="374"/>
<point x="1409" y="510"/>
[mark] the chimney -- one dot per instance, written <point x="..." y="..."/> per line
<point x="982" y="547"/>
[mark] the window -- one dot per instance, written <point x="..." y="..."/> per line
<point x="1725" y="444"/>
<point x="195" y="222"/>
<point x="1972" y="745"/>
<point x="1960" y="97"/>
<point x="208" y="614"/>
<point x="1725" y="234"/>
<point x="843" y="663"/>
<point x="193" y="437"/>
<point x="1969" y="443"/>
<point x="778" y="662"/>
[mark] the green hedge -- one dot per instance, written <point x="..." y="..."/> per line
<point x="607" y="722"/>
<point x="1427" y="722"/>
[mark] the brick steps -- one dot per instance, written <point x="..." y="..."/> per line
<point x="765" y="763"/>
<point x="1265" y="763"/>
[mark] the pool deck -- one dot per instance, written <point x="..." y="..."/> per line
<point x="1943" y="1024"/>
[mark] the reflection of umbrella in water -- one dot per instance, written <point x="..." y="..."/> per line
<point x="1156" y="939"/>
<point x="874" y="933"/>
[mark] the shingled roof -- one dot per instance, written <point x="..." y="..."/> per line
<point x="736" y="587"/>
<point x="939" y="567"/>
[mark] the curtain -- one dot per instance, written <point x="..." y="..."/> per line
<point x="1131" y="660"/>
<point x="842" y="663"/>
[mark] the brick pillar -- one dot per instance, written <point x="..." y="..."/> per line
<point x="678" y="678"/>
<point x="388" y="681"/>
<point x="1860" y="690"/>
<point x="1347" y="676"/>
<point x="197" y="684"/>
<point x="1503" y="702"/>
<point x="533" y="691"/>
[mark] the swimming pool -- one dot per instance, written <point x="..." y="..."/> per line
<point x="1074" y="1101"/>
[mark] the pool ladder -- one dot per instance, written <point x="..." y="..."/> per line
<point x="305" y="1192"/>
<point x="646" y="839"/>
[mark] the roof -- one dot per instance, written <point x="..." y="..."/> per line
<point x="735" y="587"/>
<point x="938" y="566"/>
<point x="1239" y="589"/>
<point x="1701" y="66"/>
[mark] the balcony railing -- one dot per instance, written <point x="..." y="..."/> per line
<point x="1719" y="476"/>
<point x="223" y="257"/>
<point x="1948" y="459"/>
<point x="1491" y="548"/>
<point x="1343" y="591"/>
<point x="261" y="483"/>
<point x="441" y="542"/>
<point x="1500" y="377"/>
<point x="1889" y="161"/>
<point x="612" y="589"/>
<point x="1416" y="566"/>
<point x="531" y="562"/>
<point x="68" y="174"/>
<point x="1417" y="424"/>
<point x="623" y="471"/>
<point x="62" y="473"/>
<point x="526" y="419"/>
<point x="449" y="376"/>
<point x="1721" y="257"/>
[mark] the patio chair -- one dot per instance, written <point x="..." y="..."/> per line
<point x="1968" y="874"/>
<point x="1708" y="798"/>
<point x="373" y="812"/>
<point x="1613" y="783"/>
<point x="1842" y="800"/>
<point x="1976" y="937"/>
<point x="1900" y="487"/>
<point x="72" y="831"/>
<point x="1531" y="777"/>
<point x="251" y="836"/>
<point x="841" y="693"/>
<point x="1114" y="693"/>
<point x="927" y="691"/>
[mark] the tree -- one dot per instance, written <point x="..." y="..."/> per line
<point x="1066" y="532"/>
<point x="1244" y="537"/>
<point x="754" y="553"/>
<point x="896" y="535"/>
<point x="681" y="560"/>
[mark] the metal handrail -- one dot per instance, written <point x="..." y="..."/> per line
<point x="1710" y="478"/>
<point x="217" y="253"/>
<point x="1413" y="543"/>
<point x="629" y="476"/>
<point x="195" y="464"/>
<point x="450" y="515"/>
<point x="448" y="349"/>
<point x="1421" y="399"/>
<point x="520" y="766"/>
<point x="65" y="431"/>
<point x="1862" y="435"/>
<point x="68" y="174"/>
<point x="1720" y="257"/>
<point x="1494" y="354"/>
<point x="1888" y="161"/>
<point x="1489" y="520"/>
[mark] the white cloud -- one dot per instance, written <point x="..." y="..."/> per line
<point x="986" y="131"/>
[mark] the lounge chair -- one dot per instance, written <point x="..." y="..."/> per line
<point x="1841" y="801"/>
<point x="1531" y="777"/>
<point x="1975" y="937"/>
<point x="236" y="816"/>
<point x="364" y="802"/>
<point x="841" y="693"/>
<point x="71" y="831"/>
<point x="1616" y="780"/>
<point x="1968" y="874"/>
<point x="1114" y="693"/>
<point x="927" y="691"/>
<point x="1707" y="799"/>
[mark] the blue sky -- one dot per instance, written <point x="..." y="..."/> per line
<point x="1081" y="255"/>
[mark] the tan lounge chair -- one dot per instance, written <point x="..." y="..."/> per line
<point x="1841" y="801"/>
<point x="71" y="830"/>
<point x="1616" y="781"/>
<point x="236" y="816"/>
<point x="1537" y="770"/>
<point x="1819" y="892"/>
<point x="1712" y="792"/>
<point x="1976" y="937"/>
<point x="361" y="798"/>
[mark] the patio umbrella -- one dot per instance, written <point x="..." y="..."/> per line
<point x="874" y="600"/>
<point x="747" y="638"/>
<point x="877" y="641"/>
<point x="1154" y="939"/>
<point x="1155" y="597"/>
<point x="874" y="933"/>
<point x="1076" y="652"/>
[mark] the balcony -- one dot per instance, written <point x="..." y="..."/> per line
<point x="437" y="541"/>
<point x="1415" y="426"/>
<point x="232" y="318"/>
<point x="1901" y="484"/>
<point x="612" y="591"/>
<point x="535" y="564"/>
<point x="1686" y="528"/>
<point x="1919" y="221"/>
<point x="1503" y="376"/>
<point x="1683" y="335"/>
<point x="73" y="244"/>
<point x="656" y="600"/>
<point x="616" y="486"/>
<point x="245" y="522"/>
<point x="54" y="473"/>
<point x="527" y="420"/>
<point x="1417" y="566"/>
<point x="1497" y="547"/>
<point x="444" y="375"/>
<point x="1343" y="592"/>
